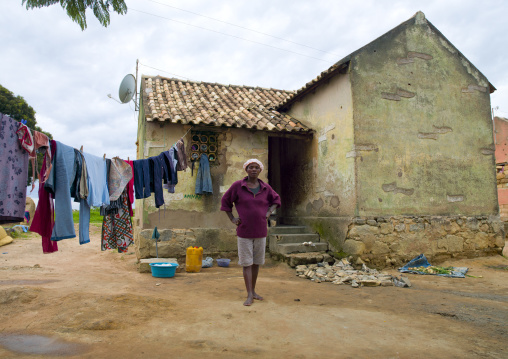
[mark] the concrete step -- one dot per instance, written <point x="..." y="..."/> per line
<point x="294" y="238"/>
<point x="287" y="229"/>
<point x="289" y="248"/>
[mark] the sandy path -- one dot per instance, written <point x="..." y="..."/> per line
<point x="93" y="304"/>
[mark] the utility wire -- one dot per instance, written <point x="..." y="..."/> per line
<point x="165" y="71"/>
<point x="243" y="27"/>
<point x="237" y="37"/>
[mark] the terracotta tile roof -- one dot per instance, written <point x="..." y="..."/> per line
<point x="189" y="102"/>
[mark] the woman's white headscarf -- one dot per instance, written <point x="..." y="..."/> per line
<point x="253" y="160"/>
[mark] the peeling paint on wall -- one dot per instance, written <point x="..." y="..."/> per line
<point x="392" y="187"/>
<point x="427" y="135"/>
<point x="390" y="96"/>
<point x="401" y="93"/>
<point x="419" y="55"/>
<point x="411" y="55"/>
<point x="442" y="129"/>
<point x="455" y="198"/>
<point x="487" y="151"/>
<point x="474" y="88"/>
<point x="356" y="152"/>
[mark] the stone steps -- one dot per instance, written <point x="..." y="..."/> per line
<point x="296" y="245"/>
<point x="294" y="238"/>
<point x="290" y="248"/>
<point x="287" y="229"/>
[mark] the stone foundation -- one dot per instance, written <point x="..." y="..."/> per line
<point x="173" y="242"/>
<point x="393" y="241"/>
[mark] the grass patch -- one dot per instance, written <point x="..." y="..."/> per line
<point x="95" y="215"/>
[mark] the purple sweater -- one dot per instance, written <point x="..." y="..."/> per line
<point x="251" y="208"/>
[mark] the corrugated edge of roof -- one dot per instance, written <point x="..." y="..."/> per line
<point x="332" y="70"/>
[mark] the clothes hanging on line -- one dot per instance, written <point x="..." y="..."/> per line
<point x="172" y="164"/>
<point x="13" y="172"/>
<point x="98" y="193"/>
<point x="156" y="177"/>
<point x="130" y="189"/>
<point x="119" y="177"/>
<point x="43" y="220"/>
<point x="182" y="158"/>
<point x="117" y="228"/>
<point x="203" y="177"/>
<point x="141" y="178"/>
<point x="59" y="184"/>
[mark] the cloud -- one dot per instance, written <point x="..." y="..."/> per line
<point x="65" y="74"/>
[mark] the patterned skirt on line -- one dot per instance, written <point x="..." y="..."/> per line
<point x="117" y="228"/>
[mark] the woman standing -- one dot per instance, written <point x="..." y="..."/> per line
<point x="254" y="201"/>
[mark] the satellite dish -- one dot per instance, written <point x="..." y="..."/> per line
<point x="127" y="88"/>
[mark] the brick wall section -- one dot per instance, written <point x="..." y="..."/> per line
<point x="502" y="191"/>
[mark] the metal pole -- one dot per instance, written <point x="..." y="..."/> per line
<point x="136" y="105"/>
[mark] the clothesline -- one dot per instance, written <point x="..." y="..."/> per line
<point x="93" y="185"/>
<point x="23" y="121"/>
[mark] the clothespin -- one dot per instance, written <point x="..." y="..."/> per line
<point x="104" y="156"/>
<point x="128" y="158"/>
<point x="81" y="149"/>
<point x="23" y="121"/>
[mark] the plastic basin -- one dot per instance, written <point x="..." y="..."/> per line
<point x="223" y="262"/>
<point x="163" y="269"/>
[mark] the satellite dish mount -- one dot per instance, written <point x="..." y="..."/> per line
<point x="127" y="89"/>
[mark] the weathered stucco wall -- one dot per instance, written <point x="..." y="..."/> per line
<point x="187" y="218"/>
<point x="329" y="204"/>
<point x="423" y="131"/>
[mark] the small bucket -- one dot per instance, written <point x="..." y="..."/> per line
<point x="163" y="269"/>
<point x="223" y="262"/>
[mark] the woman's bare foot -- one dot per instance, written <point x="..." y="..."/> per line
<point x="257" y="297"/>
<point x="248" y="302"/>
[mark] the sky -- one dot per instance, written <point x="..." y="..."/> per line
<point x="66" y="74"/>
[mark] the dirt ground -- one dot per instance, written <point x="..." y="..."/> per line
<point x="81" y="302"/>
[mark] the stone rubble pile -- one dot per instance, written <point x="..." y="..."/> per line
<point x="342" y="272"/>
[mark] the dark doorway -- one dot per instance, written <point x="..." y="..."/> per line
<point x="290" y="172"/>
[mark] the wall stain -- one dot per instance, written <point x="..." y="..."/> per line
<point x="392" y="187"/>
<point x="455" y="198"/>
<point x="411" y="55"/>
<point x="427" y="135"/>
<point x="401" y="93"/>
<point x="317" y="204"/>
<point x="334" y="202"/>
<point x="474" y="88"/>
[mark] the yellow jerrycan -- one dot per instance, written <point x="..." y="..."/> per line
<point x="194" y="259"/>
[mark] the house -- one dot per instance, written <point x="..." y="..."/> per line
<point x="387" y="154"/>
<point x="501" y="143"/>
